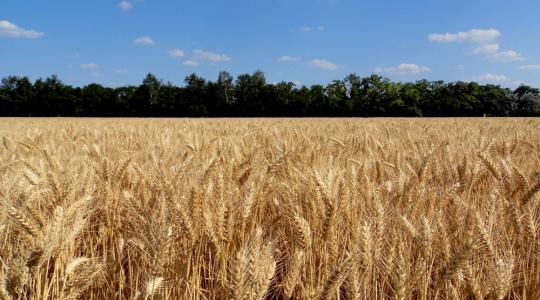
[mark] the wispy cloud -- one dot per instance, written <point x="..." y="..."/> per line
<point x="323" y="64"/>
<point x="202" y="55"/>
<point x="486" y="49"/>
<point x="90" y="66"/>
<point x="489" y="77"/>
<point x="507" y="56"/>
<point x="311" y="29"/>
<point x="190" y="63"/>
<point x="474" y="35"/>
<point x="405" y="68"/>
<point x="530" y="67"/>
<point x="125" y="5"/>
<point x="177" y="53"/>
<point x="144" y="41"/>
<point x="10" y="30"/>
<point x="287" y="58"/>
<point x="492" y="51"/>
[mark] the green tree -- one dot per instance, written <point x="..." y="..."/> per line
<point x="249" y="93"/>
<point x="406" y="101"/>
<point x="195" y="95"/>
<point x="225" y="87"/>
<point x="93" y="101"/>
<point x="52" y="98"/>
<point x="279" y="98"/>
<point x="301" y="104"/>
<point x="15" y="95"/>
<point x="374" y="95"/>
<point x="337" y="102"/>
<point x="145" y="100"/>
<point x="527" y="101"/>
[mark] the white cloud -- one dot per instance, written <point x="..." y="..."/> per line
<point x="144" y="41"/>
<point x="486" y="49"/>
<point x="176" y="53"/>
<point x="125" y="6"/>
<point x="323" y="64"/>
<point x="209" y="56"/>
<point x="404" y="68"/>
<point x="485" y="37"/>
<point x="190" y="63"/>
<point x="310" y="29"/>
<point x="296" y="82"/>
<point x="459" y="67"/>
<point x="507" y="56"/>
<point x="492" y="78"/>
<point x="492" y="51"/>
<point x="200" y="56"/>
<point x="475" y="35"/>
<point x="10" y="30"/>
<point x="530" y="68"/>
<point x="90" y="66"/>
<point x="287" y="58"/>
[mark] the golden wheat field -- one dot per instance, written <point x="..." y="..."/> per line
<point x="270" y="209"/>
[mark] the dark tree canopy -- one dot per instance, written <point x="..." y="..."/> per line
<point x="250" y="95"/>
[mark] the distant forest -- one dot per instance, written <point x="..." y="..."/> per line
<point x="250" y="95"/>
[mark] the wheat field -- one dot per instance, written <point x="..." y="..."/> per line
<point x="269" y="209"/>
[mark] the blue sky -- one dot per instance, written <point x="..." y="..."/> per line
<point x="305" y="41"/>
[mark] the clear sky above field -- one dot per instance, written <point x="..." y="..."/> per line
<point x="306" y="41"/>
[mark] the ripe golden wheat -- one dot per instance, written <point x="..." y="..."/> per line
<point x="270" y="209"/>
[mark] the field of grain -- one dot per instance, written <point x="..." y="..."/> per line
<point x="270" y="208"/>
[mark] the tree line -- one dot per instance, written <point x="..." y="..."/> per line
<point x="250" y="95"/>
